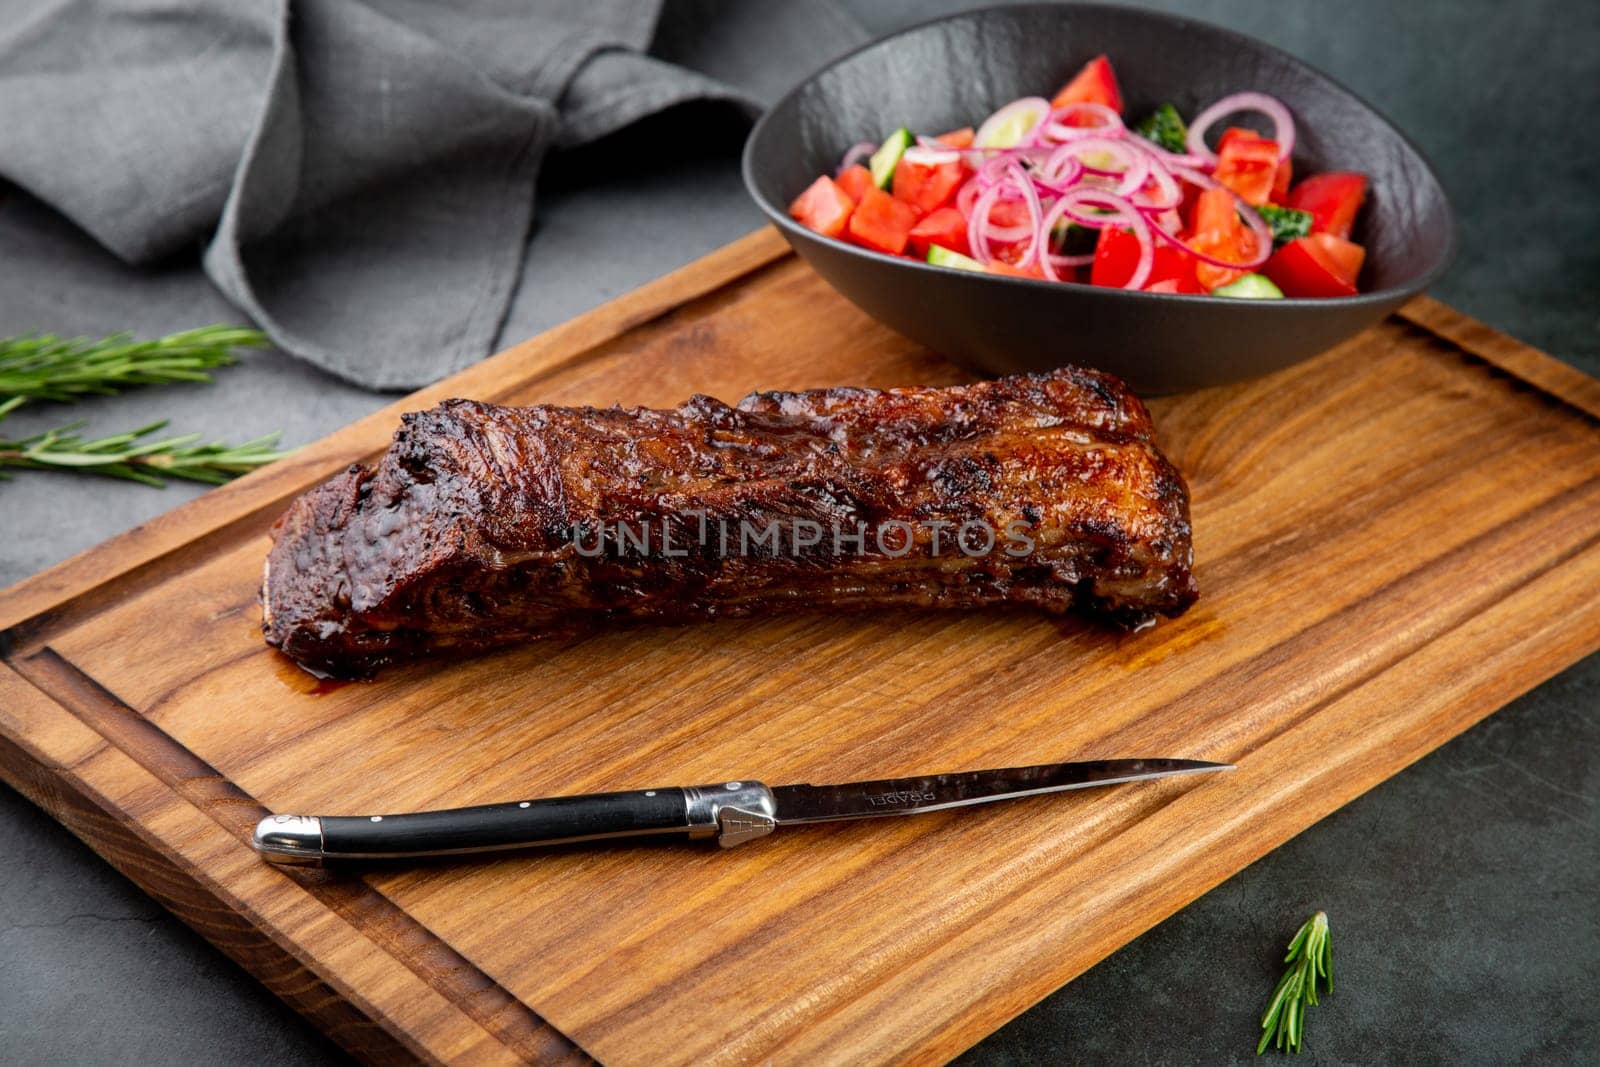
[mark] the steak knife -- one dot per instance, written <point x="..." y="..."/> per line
<point x="730" y="812"/>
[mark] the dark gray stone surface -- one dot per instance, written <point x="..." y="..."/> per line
<point x="1460" y="894"/>
<point x="1461" y="891"/>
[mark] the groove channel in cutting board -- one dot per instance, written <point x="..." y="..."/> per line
<point x="1355" y="518"/>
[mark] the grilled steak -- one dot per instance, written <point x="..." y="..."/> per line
<point x="484" y="525"/>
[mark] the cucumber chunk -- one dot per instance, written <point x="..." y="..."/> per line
<point x="1250" y="287"/>
<point x="943" y="257"/>
<point x="887" y="157"/>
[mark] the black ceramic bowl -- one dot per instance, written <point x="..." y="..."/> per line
<point x="954" y="71"/>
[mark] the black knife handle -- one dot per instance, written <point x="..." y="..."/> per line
<point x="732" y="812"/>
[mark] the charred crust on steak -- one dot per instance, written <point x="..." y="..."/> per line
<point x="466" y="534"/>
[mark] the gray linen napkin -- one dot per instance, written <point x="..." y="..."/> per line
<point x="359" y="173"/>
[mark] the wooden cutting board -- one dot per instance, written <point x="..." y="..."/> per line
<point x="1392" y="540"/>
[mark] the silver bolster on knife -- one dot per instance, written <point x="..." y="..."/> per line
<point x="290" y="839"/>
<point x="735" y="812"/>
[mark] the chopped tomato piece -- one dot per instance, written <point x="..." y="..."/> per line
<point x="1007" y="213"/>
<point x="1280" y="184"/>
<point x="1248" y="144"/>
<point x="823" y="207"/>
<point x="1235" y="247"/>
<point x="1248" y="164"/>
<point x="1000" y="266"/>
<point x="927" y="186"/>
<point x="946" y="228"/>
<point x="1218" y="231"/>
<point x="1251" y="181"/>
<point x="883" y="223"/>
<point x="1319" y="265"/>
<point x="1343" y="257"/>
<point x="1116" y="257"/>
<point x="1096" y="83"/>
<point x="1280" y="181"/>
<point x="1175" y="267"/>
<point x="855" y="181"/>
<point x="961" y="138"/>
<point x="1215" y="210"/>
<point x="1333" y="200"/>
<point x="1009" y="253"/>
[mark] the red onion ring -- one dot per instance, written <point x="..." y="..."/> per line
<point x="994" y="169"/>
<point x="1036" y="241"/>
<point x="1059" y="163"/>
<point x="1059" y="183"/>
<point x="1168" y="220"/>
<point x="1195" y="177"/>
<point x="931" y="157"/>
<point x="994" y="231"/>
<point x="853" y="155"/>
<point x="1049" y="262"/>
<point x="1054" y="128"/>
<point x="1136" y="165"/>
<point x="966" y="195"/>
<point x="1166" y="184"/>
<point x="1174" y="159"/>
<point x="1073" y="206"/>
<point x="1206" y="257"/>
<point x="1125" y="214"/>
<point x="977" y="224"/>
<point x="1282" y="123"/>
<point x="1005" y="235"/>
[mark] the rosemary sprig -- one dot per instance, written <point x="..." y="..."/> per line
<point x="46" y="367"/>
<point x="1310" y="957"/>
<point x="132" y="457"/>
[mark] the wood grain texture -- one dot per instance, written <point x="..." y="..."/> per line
<point x="1392" y="540"/>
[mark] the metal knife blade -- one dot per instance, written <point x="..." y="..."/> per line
<point x="731" y="812"/>
<point x="938" y="792"/>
